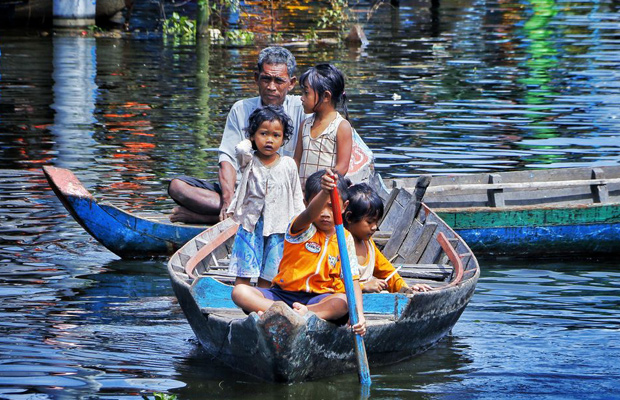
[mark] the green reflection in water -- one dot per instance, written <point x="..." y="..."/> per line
<point x="543" y="59"/>
<point x="200" y="159"/>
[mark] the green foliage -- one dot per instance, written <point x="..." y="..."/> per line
<point x="338" y="15"/>
<point x="179" y="26"/>
<point x="239" y="37"/>
<point x="232" y="5"/>
<point x="161" y="396"/>
<point x="311" y="35"/>
<point x="276" y="36"/>
<point x="203" y="4"/>
<point x="94" y="29"/>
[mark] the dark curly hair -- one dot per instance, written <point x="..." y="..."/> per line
<point x="363" y="202"/>
<point x="269" y="113"/>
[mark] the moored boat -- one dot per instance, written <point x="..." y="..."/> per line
<point x="552" y="212"/>
<point x="568" y="213"/>
<point x="127" y="235"/>
<point x="282" y="346"/>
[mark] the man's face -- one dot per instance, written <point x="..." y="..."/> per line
<point x="274" y="84"/>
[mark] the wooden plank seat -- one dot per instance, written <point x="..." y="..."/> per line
<point x="433" y="272"/>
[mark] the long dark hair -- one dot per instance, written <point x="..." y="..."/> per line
<point x="324" y="77"/>
<point x="363" y="202"/>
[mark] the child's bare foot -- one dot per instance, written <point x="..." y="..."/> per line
<point x="300" y="309"/>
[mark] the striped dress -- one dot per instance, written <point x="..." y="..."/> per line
<point x="318" y="153"/>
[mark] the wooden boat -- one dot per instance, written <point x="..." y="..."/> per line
<point x="553" y="212"/>
<point x="282" y="346"/>
<point x="125" y="234"/>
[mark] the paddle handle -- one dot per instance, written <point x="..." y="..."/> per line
<point x="347" y="277"/>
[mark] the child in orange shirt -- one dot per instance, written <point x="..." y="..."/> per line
<point x="309" y="278"/>
<point x="363" y="212"/>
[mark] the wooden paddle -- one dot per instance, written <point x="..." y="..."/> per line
<point x="360" y="349"/>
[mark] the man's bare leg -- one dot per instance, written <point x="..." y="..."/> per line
<point x="196" y="205"/>
<point x="182" y="214"/>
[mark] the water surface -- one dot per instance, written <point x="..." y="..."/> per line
<point x="473" y="86"/>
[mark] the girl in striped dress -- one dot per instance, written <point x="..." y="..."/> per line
<point x="325" y="138"/>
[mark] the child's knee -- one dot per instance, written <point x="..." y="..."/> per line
<point x="240" y="292"/>
<point x="339" y="304"/>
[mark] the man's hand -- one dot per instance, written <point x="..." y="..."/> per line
<point x="223" y="214"/>
<point x="228" y="177"/>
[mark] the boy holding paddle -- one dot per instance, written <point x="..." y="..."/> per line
<point x="309" y="278"/>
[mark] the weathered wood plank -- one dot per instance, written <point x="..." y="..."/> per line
<point x="421" y="243"/>
<point x="600" y="193"/>
<point x="521" y="185"/>
<point x="395" y="209"/>
<point x="539" y="175"/>
<point x="381" y="238"/>
<point x="400" y="230"/>
<point x="436" y="272"/>
<point x="408" y="244"/>
<point x="433" y="250"/>
<point x="496" y="196"/>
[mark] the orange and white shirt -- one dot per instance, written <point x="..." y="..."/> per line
<point x="378" y="266"/>
<point x="311" y="262"/>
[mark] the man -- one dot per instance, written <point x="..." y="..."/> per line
<point x="204" y="202"/>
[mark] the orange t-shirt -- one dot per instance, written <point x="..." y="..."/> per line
<point x="311" y="262"/>
<point x="378" y="266"/>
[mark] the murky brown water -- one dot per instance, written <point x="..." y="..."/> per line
<point x="474" y="86"/>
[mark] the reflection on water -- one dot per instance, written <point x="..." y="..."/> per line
<point x="467" y="86"/>
<point x="75" y="70"/>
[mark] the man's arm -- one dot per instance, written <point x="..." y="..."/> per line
<point x="299" y="147"/>
<point x="228" y="178"/>
<point x="228" y="164"/>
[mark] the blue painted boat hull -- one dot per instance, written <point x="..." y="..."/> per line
<point x="556" y="212"/>
<point x="595" y="239"/>
<point x="125" y="234"/>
